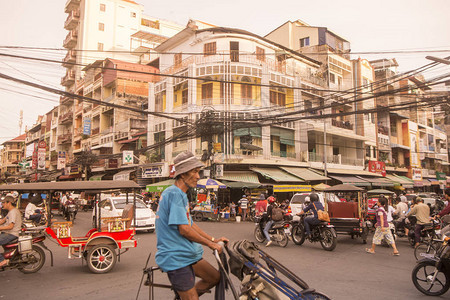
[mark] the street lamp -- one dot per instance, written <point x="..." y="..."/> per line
<point x="439" y="60"/>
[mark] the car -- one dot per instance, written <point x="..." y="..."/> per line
<point x="113" y="207"/>
<point x="297" y="202"/>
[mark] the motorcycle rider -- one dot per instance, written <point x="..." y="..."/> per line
<point x="422" y="213"/>
<point x="270" y="222"/>
<point x="10" y="225"/>
<point x="445" y="211"/>
<point x="261" y="206"/>
<point x="400" y="211"/>
<point x="314" y="205"/>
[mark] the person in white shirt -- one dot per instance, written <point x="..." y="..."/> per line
<point x="31" y="211"/>
<point x="243" y="203"/>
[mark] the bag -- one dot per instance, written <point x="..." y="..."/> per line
<point x="322" y="215"/>
<point x="277" y="214"/>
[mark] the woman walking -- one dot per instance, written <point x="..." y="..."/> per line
<point x="382" y="228"/>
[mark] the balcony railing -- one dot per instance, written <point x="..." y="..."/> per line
<point x="283" y="154"/>
<point x="66" y="117"/>
<point x="69" y="79"/>
<point x="71" y="5"/>
<point x="70" y="58"/>
<point x="383" y="130"/>
<point x="71" y="39"/>
<point x="72" y="19"/>
<point x="342" y="124"/>
<point x="65" y="138"/>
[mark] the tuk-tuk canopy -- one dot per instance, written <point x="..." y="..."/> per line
<point x="380" y="192"/>
<point x="343" y="188"/>
<point x="71" y="186"/>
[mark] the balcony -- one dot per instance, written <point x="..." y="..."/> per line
<point x="70" y="58"/>
<point x="77" y="133"/>
<point x="95" y="130"/>
<point x="64" y="100"/>
<point x="65" y="138"/>
<point x="72" y="19"/>
<point x="71" y="39"/>
<point x="69" y="79"/>
<point x="383" y="130"/>
<point x="283" y="154"/>
<point x="71" y="5"/>
<point x="342" y="124"/>
<point x="66" y="117"/>
<point x="130" y="126"/>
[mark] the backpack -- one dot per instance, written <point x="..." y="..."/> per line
<point x="277" y="214"/>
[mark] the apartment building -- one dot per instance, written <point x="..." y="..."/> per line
<point x="11" y="155"/>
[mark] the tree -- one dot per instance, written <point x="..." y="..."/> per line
<point x="86" y="159"/>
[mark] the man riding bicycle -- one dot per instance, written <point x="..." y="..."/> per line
<point x="179" y="252"/>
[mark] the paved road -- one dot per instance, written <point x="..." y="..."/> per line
<point x="346" y="273"/>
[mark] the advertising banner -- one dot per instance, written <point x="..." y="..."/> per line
<point x="154" y="171"/>
<point x="87" y="126"/>
<point x="42" y="145"/>
<point x="377" y="167"/>
<point x="61" y="160"/>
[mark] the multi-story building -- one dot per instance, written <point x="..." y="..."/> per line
<point x="11" y="154"/>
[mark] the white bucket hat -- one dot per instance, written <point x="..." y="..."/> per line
<point x="186" y="161"/>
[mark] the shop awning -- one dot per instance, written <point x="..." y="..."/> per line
<point x="97" y="177"/>
<point x="378" y="181"/>
<point x="242" y="176"/>
<point x="129" y="141"/>
<point x="251" y="131"/>
<point x="277" y="174"/>
<point x="66" y="177"/>
<point x="405" y="181"/>
<point x="123" y="175"/>
<point x="351" y="172"/>
<point x="433" y="181"/>
<point x="251" y="147"/>
<point x="393" y="145"/>
<point x="241" y="184"/>
<point x="291" y="188"/>
<point x="304" y="173"/>
<point x="347" y="179"/>
<point x="159" y="186"/>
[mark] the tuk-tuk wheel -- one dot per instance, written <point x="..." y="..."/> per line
<point x="198" y="216"/>
<point x="101" y="259"/>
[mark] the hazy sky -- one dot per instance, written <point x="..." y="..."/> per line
<point x="383" y="25"/>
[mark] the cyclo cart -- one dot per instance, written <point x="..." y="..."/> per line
<point x="348" y="217"/>
<point x="100" y="247"/>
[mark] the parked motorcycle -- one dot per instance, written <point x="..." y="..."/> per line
<point x="24" y="254"/>
<point x="431" y="275"/>
<point x="323" y="233"/>
<point x="278" y="232"/>
<point x="70" y="210"/>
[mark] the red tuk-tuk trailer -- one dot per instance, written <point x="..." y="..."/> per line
<point x="101" y="245"/>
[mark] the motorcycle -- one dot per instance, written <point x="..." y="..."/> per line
<point x="70" y="210"/>
<point x="431" y="275"/>
<point x="323" y="233"/>
<point x="24" y="254"/>
<point x="278" y="232"/>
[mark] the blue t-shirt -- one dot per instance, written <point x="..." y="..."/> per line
<point x="174" y="250"/>
<point x="312" y="206"/>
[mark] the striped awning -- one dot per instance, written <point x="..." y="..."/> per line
<point x="354" y="180"/>
<point x="239" y="176"/>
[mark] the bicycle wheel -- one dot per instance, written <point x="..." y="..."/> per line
<point x="424" y="250"/>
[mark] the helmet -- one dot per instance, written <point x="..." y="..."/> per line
<point x="271" y="199"/>
<point x="313" y="197"/>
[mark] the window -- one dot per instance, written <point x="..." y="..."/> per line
<point x="177" y="59"/>
<point x="278" y="97"/>
<point x="207" y="92"/>
<point x="260" y="54"/>
<point x="234" y="51"/>
<point x="101" y="26"/>
<point x="100" y="46"/>
<point x="339" y="81"/>
<point x="102" y="7"/>
<point x="332" y="78"/>
<point x="159" y="102"/>
<point x="133" y="14"/>
<point x="246" y="92"/>
<point x="304" y="42"/>
<point x="209" y="49"/>
<point x="184" y="96"/>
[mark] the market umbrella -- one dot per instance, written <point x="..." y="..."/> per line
<point x="380" y="191"/>
<point x="320" y="186"/>
<point x="208" y="183"/>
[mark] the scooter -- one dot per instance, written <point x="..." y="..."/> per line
<point x="70" y="210"/>
<point x="278" y="232"/>
<point x="431" y="275"/>
<point x="323" y="233"/>
<point x="25" y="255"/>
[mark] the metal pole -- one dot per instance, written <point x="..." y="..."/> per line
<point x="98" y="214"/>
<point x="325" y="147"/>
<point x="134" y="207"/>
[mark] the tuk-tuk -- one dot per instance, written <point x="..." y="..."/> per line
<point x="350" y="215"/>
<point x="101" y="245"/>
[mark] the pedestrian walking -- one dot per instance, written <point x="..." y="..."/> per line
<point x="382" y="228"/>
<point x="243" y="204"/>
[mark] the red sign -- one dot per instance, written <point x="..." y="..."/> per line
<point x="377" y="167"/>
<point x="34" y="162"/>
<point x="42" y="144"/>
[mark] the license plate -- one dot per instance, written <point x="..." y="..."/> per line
<point x="141" y="223"/>
<point x="426" y="255"/>
<point x="287" y="231"/>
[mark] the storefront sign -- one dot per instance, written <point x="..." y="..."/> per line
<point x="217" y="147"/>
<point x="42" y="145"/>
<point x="127" y="157"/>
<point x="377" y="167"/>
<point x="34" y="161"/>
<point x="291" y="188"/>
<point x="154" y="171"/>
<point x="441" y="176"/>
<point x="219" y="170"/>
<point x="87" y="126"/>
<point x="61" y="160"/>
<point x="74" y="169"/>
<point x="416" y="174"/>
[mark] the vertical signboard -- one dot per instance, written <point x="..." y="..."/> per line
<point x="42" y="146"/>
<point x="127" y="157"/>
<point x="87" y="126"/>
<point x="61" y="160"/>
<point x="34" y="161"/>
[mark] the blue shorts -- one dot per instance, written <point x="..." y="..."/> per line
<point x="182" y="279"/>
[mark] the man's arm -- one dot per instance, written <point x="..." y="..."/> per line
<point x="7" y="227"/>
<point x="412" y="211"/>
<point x="444" y="211"/>
<point x="190" y="233"/>
<point x="2" y="221"/>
